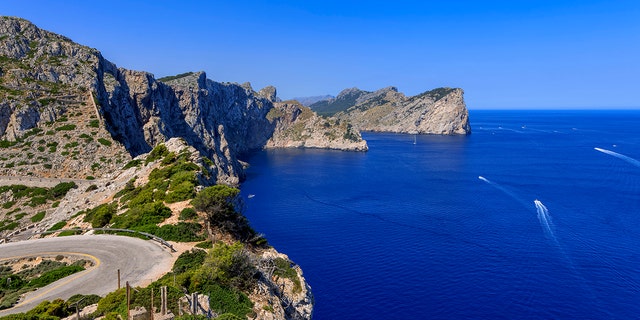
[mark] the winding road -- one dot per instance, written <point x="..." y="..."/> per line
<point x="139" y="261"/>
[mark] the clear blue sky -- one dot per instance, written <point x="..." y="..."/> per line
<point x="504" y="54"/>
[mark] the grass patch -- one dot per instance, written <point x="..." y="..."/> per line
<point x="38" y="216"/>
<point x="104" y="142"/>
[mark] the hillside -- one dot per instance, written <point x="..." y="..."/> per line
<point x="161" y="193"/>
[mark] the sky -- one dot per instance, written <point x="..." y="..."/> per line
<point x="504" y="54"/>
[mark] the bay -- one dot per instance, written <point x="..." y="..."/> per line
<point x="523" y="219"/>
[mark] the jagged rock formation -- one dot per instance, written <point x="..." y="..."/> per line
<point x="44" y="75"/>
<point x="439" y="111"/>
<point x="297" y="126"/>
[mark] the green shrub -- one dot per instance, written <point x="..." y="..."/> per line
<point x="188" y="214"/>
<point x="84" y="300"/>
<point x="54" y="275"/>
<point x="61" y="189"/>
<point x="94" y="123"/>
<point x="8" y="204"/>
<point x="229" y="266"/>
<point x="9" y="226"/>
<point x="182" y="232"/>
<point x="69" y="232"/>
<point x="104" y="142"/>
<point x="113" y="302"/>
<point x="7" y="143"/>
<point x="205" y="245"/>
<point x="37" y="200"/>
<point x="132" y="163"/>
<point x="181" y="192"/>
<point x="233" y="304"/>
<point x="38" y="216"/>
<point x="101" y="215"/>
<point x="58" y="226"/>
<point x="158" y="152"/>
<point x="189" y="260"/>
<point x="66" y="127"/>
<point x="283" y="269"/>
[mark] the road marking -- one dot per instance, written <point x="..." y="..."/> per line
<point x="67" y="279"/>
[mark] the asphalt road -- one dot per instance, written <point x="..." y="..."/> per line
<point x="139" y="262"/>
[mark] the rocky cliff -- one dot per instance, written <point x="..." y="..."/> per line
<point x="49" y="82"/>
<point x="297" y="126"/>
<point x="439" y="111"/>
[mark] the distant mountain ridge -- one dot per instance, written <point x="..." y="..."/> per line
<point x="307" y="101"/>
<point x="438" y="111"/>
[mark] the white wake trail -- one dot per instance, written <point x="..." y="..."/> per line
<point x="504" y="190"/>
<point x="545" y="220"/>
<point x="620" y="156"/>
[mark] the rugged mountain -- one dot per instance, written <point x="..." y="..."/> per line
<point x="439" y="111"/>
<point x="345" y="99"/>
<point x="53" y="90"/>
<point x="307" y="101"/>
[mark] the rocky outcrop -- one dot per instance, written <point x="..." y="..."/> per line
<point x="439" y="111"/>
<point x="47" y="78"/>
<point x="296" y="126"/>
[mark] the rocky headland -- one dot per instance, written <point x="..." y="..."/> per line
<point x="438" y="111"/>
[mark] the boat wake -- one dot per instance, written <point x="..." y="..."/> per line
<point x="620" y="156"/>
<point x="504" y="190"/>
<point x="545" y="220"/>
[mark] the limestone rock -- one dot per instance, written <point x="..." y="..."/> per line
<point x="439" y="111"/>
<point x="296" y="126"/>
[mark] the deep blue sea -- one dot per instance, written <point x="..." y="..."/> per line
<point x="449" y="227"/>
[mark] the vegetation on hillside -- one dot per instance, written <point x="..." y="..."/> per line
<point x="14" y="283"/>
<point x="177" y="76"/>
<point x="330" y="107"/>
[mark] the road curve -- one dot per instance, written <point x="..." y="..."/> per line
<point x="139" y="262"/>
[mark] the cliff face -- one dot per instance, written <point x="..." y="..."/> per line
<point x="46" y="79"/>
<point x="439" y="111"/>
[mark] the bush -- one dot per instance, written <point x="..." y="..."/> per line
<point x="188" y="214"/>
<point x="228" y="265"/>
<point x="37" y="200"/>
<point x="157" y="153"/>
<point x="103" y="215"/>
<point x="54" y="275"/>
<point x="231" y="303"/>
<point x="205" y="245"/>
<point x="182" y="232"/>
<point x="66" y="127"/>
<point x="58" y="226"/>
<point x="181" y="192"/>
<point x="132" y="163"/>
<point x="104" y="142"/>
<point x="8" y="204"/>
<point x="113" y="302"/>
<point x="189" y="260"/>
<point x="38" y="216"/>
<point x="61" y="189"/>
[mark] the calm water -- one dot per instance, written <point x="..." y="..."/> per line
<point x="410" y="231"/>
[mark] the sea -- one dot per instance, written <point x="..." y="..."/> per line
<point x="535" y="215"/>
